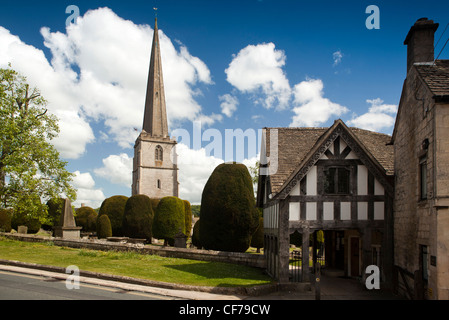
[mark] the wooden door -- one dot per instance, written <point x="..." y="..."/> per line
<point x="355" y="259"/>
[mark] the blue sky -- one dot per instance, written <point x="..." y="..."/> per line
<point x="229" y="64"/>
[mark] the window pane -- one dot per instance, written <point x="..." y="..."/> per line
<point x="343" y="180"/>
<point x="329" y="182"/>
<point x="423" y="169"/>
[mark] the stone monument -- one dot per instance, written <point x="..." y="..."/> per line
<point x="67" y="228"/>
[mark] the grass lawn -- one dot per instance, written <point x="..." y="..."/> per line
<point x="131" y="264"/>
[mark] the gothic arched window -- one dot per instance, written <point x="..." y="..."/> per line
<point x="159" y="154"/>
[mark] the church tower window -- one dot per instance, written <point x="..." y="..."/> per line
<point x="159" y="153"/>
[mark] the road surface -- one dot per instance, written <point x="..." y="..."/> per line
<point x="19" y="286"/>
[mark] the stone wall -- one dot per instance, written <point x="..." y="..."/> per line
<point x="420" y="222"/>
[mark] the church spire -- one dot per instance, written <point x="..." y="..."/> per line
<point x="155" y="116"/>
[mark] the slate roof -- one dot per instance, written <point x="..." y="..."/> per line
<point x="296" y="144"/>
<point x="436" y="76"/>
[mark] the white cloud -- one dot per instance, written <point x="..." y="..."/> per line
<point x="98" y="72"/>
<point x="86" y="192"/>
<point x="117" y="169"/>
<point x="83" y="180"/>
<point x="337" y="56"/>
<point x="258" y="69"/>
<point x="380" y="116"/>
<point x="228" y="104"/>
<point x="311" y="107"/>
<point x="195" y="167"/>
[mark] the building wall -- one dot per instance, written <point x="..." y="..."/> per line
<point x="337" y="208"/>
<point x="442" y="200"/>
<point x="156" y="179"/>
<point x="420" y="222"/>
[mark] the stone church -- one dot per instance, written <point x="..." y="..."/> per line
<point x="155" y="172"/>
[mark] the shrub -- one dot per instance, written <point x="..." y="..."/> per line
<point x="114" y="208"/>
<point x="138" y="218"/>
<point x="86" y="217"/>
<point x="169" y="219"/>
<point x="257" y="238"/>
<point x="196" y="235"/>
<point x="188" y="217"/>
<point x="104" y="228"/>
<point x="228" y="213"/>
<point x="25" y="219"/>
<point x="55" y="210"/>
<point x="154" y="203"/>
<point x="5" y="220"/>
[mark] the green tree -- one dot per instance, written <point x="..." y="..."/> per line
<point x="138" y="218"/>
<point x="114" y="208"/>
<point x="86" y="217"/>
<point x="228" y="213"/>
<point x="257" y="238"/>
<point x="188" y="217"/>
<point x="30" y="166"/>
<point x="5" y="220"/>
<point x="104" y="229"/>
<point x="169" y="219"/>
<point x="196" y="235"/>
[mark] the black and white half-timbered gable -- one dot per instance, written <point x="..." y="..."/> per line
<point x="336" y="183"/>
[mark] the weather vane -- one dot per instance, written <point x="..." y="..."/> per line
<point x="155" y="11"/>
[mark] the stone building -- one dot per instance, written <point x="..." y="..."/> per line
<point x="338" y="180"/>
<point x="421" y="146"/>
<point x="155" y="172"/>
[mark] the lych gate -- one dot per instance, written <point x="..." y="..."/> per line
<point x="329" y="202"/>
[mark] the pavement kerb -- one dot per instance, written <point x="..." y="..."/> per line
<point x="188" y="291"/>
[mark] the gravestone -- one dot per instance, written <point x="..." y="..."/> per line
<point x="180" y="240"/>
<point x="67" y="228"/>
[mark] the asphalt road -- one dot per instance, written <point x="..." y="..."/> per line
<point x="18" y="286"/>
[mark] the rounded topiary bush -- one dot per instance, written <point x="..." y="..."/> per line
<point x="138" y="218"/>
<point x="188" y="217"/>
<point x="169" y="219"/>
<point x="257" y="238"/>
<point x="86" y="217"/>
<point x="228" y="213"/>
<point x="114" y="208"/>
<point x="196" y="235"/>
<point x="5" y="220"/>
<point x="104" y="229"/>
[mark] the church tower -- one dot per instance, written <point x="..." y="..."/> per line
<point x="155" y="172"/>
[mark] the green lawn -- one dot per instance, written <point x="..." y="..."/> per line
<point x="173" y="270"/>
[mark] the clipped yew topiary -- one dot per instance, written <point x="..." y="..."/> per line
<point x="257" y="238"/>
<point x="188" y="217"/>
<point x="169" y="219"/>
<point x="104" y="228"/>
<point x="114" y="208"/>
<point x="196" y="235"/>
<point x="86" y="217"/>
<point x="138" y="218"/>
<point x="228" y="213"/>
<point x="5" y="220"/>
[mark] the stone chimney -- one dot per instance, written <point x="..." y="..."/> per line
<point x="419" y="42"/>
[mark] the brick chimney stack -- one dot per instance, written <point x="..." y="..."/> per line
<point x="420" y="42"/>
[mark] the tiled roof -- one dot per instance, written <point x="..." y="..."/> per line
<point x="295" y="144"/>
<point x="436" y="76"/>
